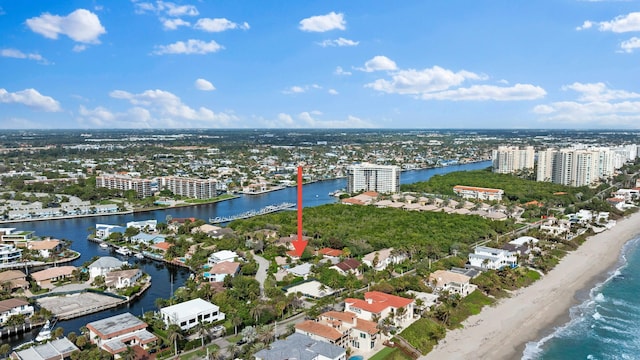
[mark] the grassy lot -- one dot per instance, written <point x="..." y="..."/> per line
<point x="472" y="304"/>
<point x="390" y="354"/>
<point x="424" y="334"/>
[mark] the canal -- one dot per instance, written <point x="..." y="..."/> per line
<point x="77" y="229"/>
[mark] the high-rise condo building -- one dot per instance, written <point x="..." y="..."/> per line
<point x="191" y="188"/>
<point x="575" y="167"/>
<point x="371" y="177"/>
<point x="509" y="159"/>
<point x="124" y="182"/>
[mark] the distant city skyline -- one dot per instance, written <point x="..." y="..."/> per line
<point x="330" y="64"/>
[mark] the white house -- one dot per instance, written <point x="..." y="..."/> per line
<point x="104" y="230"/>
<point x="189" y="313"/>
<point x="454" y="283"/>
<point x="490" y="258"/>
<point x="14" y="306"/>
<point x="9" y="254"/>
<point x="104" y="265"/>
<point x="222" y="256"/>
<point x="218" y="272"/>
<point x="383" y="258"/>
<point x="146" y="225"/>
<point x="122" y="278"/>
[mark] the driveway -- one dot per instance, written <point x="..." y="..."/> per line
<point x="261" y="275"/>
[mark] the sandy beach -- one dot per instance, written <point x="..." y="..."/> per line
<point x="502" y="331"/>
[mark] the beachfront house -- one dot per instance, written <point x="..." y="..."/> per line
<point x="322" y="332"/>
<point x="189" y="313"/>
<point x="115" y="334"/>
<point x="380" y="305"/>
<point x="489" y="258"/>
<point x="454" y="283"/>
<point x="104" y="265"/>
<point x="14" y="306"/>
<point x="360" y="334"/>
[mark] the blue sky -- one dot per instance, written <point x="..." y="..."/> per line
<point x="319" y="64"/>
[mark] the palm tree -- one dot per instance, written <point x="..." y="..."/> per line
<point x="202" y="331"/>
<point x="233" y="350"/>
<point x="174" y="333"/>
<point x="215" y="354"/>
<point x="128" y="354"/>
<point x="236" y="320"/>
<point x="4" y="349"/>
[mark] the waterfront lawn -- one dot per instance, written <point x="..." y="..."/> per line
<point x="424" y="334"/>
<point x="212" y="200"/>
<point x="389" y="353"/>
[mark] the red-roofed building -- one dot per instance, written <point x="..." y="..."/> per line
<point x="329" y="253"/>
<point x="379" y="305"/>
<point x="162" y="246"/>
<point x="472" y="192"/>
<point x="323" y="332"/>
<point x="362" y="334"/>
<point x="347" y="266"/>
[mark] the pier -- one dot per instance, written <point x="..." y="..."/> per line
<point x="251" y="213"/>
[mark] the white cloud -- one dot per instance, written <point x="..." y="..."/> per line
<point x="322" y="23"/>
<point x="596" y="106"/>
<point x="31" y="98"/>
<point x="79" y="48"/>
<point x="308" y="120"/>
<point x="296" y="89"/>
<point x="333" y="92"/>
<point x="594" y="92"/>
<point x="17" y="54"/>
<point x="173" y="24"/>
<point x="339" y="42"/>
<point x="191" y="46"/>
<point x="218" y="25"/>
<point x="630" y="45"/>
<point x="204" y="85"/>
<point x="81" y="26"/>
<point x="341" y="71"/>
<point x="489" y="92"/>
<point x="422" y="81"/>
<point x="620" y="24"/>
<point x="379" y="63"/>
<point x="168" y="8"/>
<point x="167" y="106"/>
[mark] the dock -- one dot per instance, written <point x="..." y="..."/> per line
<point x="251" y="213"/>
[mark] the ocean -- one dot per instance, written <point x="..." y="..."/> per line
<point x="606" y="325"/>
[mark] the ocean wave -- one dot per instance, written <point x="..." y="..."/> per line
<point x="578" y="313"/>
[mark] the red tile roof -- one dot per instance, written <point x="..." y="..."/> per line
<point x="318" y="329"/>
<point x="477" y="189"/>
<point x="162" y="246"/>
<point x="330" y="252"/>
<point x="376" y="301"/>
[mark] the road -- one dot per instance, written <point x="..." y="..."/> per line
<point x="261" y="275"/>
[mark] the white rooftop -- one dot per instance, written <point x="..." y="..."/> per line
<point x="190" y="308"/>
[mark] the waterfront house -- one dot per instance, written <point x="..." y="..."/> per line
<point x="322" y="332"/>
<point x="347" y="266"/>
<point x="104" y="265"/>
<point x="16" y="238"/>
<point x="454" y="283"/>
<point x="361" y="334"/>
<point x="14" y="306"/>
<point x="147" y="239"/>
<point x="104" y="230"/>
<point x="380" y="305"/>
<point x="485" y="257"/>
<point x="45" y="248"/>
<point x="222" y="256"/>
<point x="379" y="260"/>
<point x="189" y="313"/>
<point x="114" y="334"/>
<point x="9" y="254"/>
<point x="301" y="347"/>
<point x="16" y="279"/>
<point x="119" y="279"/>
<point x="58" y="349"/>
<point x="45" y="278"/>
<point x="218" y="272"/>
<point x="146" y="225"/>
<point x="161" y="246"/>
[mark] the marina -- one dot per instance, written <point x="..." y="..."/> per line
<point x="251" y="213"/>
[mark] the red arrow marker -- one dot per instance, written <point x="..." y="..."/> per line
<point x="299" y="246"/>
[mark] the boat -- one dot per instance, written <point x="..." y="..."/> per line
<point x="139" y="255"/>
<point x="104" y="245"/>
<point x="45" y="333"/>
<point x="123" y="251"/>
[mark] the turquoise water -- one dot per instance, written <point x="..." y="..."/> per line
<point x="604" y="326"/>
<point x="356" y="357"/>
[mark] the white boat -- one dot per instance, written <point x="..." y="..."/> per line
<point x="123" y="251"/>
<point x="139" y="255"/>
<point x="104" y="245"/>
<point x="45" y="332"/>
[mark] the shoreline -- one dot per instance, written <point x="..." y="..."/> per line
<point x="502" y="331"/>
